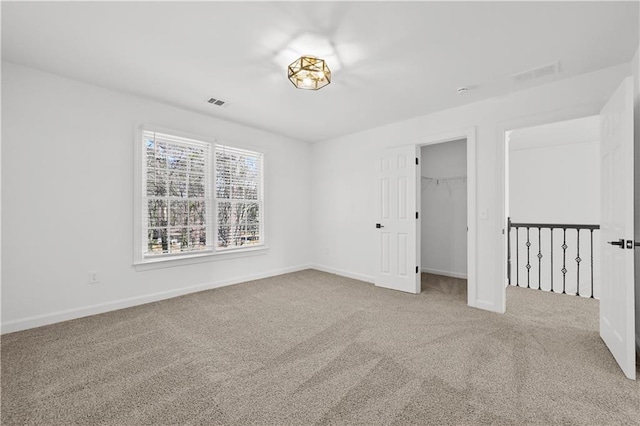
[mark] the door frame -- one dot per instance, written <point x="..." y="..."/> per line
<point x="566" y="114"/>
<point x="469" y="134"/>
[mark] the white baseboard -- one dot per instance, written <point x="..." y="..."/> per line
<point x="69" y="314"/>
<point x="485" y="305"/>
<point x="445" y="273"/>
<point x="342" y="273"/>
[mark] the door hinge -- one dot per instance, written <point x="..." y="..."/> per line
<point x="416" y="269"/>
<point x="416" y="215"/>
<point x="417" y="161"/>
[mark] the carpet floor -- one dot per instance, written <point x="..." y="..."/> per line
<point x="315" y="348"/>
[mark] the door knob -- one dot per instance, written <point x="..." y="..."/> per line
<point x="378" y="226"/>
<point x="619" y="243"/>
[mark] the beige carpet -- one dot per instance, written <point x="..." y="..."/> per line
<point x="315" y="348"/>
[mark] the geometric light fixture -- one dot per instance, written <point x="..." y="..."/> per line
<point x="309" y="72"/>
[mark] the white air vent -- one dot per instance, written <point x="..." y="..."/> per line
<point x="215" y="101"/>
<point x="536" y="73"/>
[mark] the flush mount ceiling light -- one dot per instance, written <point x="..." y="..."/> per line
<point x="308" y="72"/>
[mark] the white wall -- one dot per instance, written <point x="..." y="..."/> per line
<point x="67" y="197"/>
<point x="555" y="184"/>
<point x="444" y="209"/>
<point x="555" y="177"/>
<point x="344" y="170"/>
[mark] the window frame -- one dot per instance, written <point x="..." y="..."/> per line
<point x="259" y="201"/>
<point x="142" y="261"/>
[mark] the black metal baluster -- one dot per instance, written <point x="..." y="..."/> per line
<point x="539" y="260"/>
<point x="564" y="259"/>
<point x="591" y="263"/>
<point x="578" y="260"/>
<point x="551" y="259"/>
<point x="552" y="227"/>
<point x="528" y="262"/>
<point x="517" y="258"/>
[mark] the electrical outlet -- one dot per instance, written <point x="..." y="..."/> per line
<point x="93" y="277"/>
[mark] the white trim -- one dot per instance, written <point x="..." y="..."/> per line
<point x="138" y="180"/>
<point x="500" y="247"/>
<point x="70" y="314"/>
<point x="141" y="261"/>
<point x="445" y="273"/>
<point x="469" y="134"/>
<point x="486" y="305"/>
<point x="261" y="196"/>
<point x="522" y="148"/>
<point x="343" y="273"/>
<point x="191" y="259"/>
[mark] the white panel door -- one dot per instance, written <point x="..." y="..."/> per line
<point x="617" y="316"/>
<point x="396" y="227"/>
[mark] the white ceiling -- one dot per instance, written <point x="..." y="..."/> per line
<point x="391" y="60"/>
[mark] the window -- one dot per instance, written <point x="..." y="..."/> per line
<point x="238" y="197"/>
<point x="194" y="204"/>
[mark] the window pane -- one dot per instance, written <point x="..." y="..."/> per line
<point x="157" y="213"/>
<point x="161" y="155"/>
<point x="251" y="167"/>
<point x="151" y="185"/>
<point x="196" y="186"/>
<point x="239" y="215"/>
<point x="253" y="214"/>
<point x="179" y="213"/>
<point x="156" y="182"/>
<point x="251" y="190"/>
<point x="177" y="158"/>
<point x="224" y="236"/>
<point x="178" y="240"/>
<point x="157" y="241"/>
<point x="198" y="238"/>
<point x="224" y="213"/>
<point x="223" y="175"/>
<point x="197" y="213"/>
<point x="151" y="156"/>
<point x="177" y="184"/>
<point x="238" y="224"/>
<point x="197" y="160"/>
<point x="252" y="235"/>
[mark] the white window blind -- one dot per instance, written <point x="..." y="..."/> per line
<point x="177" y="205"/>
<point x="239" y="198"/>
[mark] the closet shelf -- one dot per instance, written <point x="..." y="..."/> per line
<point x="444" y="179"/>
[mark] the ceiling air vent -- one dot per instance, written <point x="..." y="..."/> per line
<point x="215" y="101"/>
<point x="536" y="73"/>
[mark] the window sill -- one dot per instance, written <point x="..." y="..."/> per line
<point x="190" y="259"/>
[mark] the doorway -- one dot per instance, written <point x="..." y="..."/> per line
<point x="553" y="206"/>
<point x="398" y="208"/>
<point x="443" y="220"/>
<point x="616" y="159"/>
